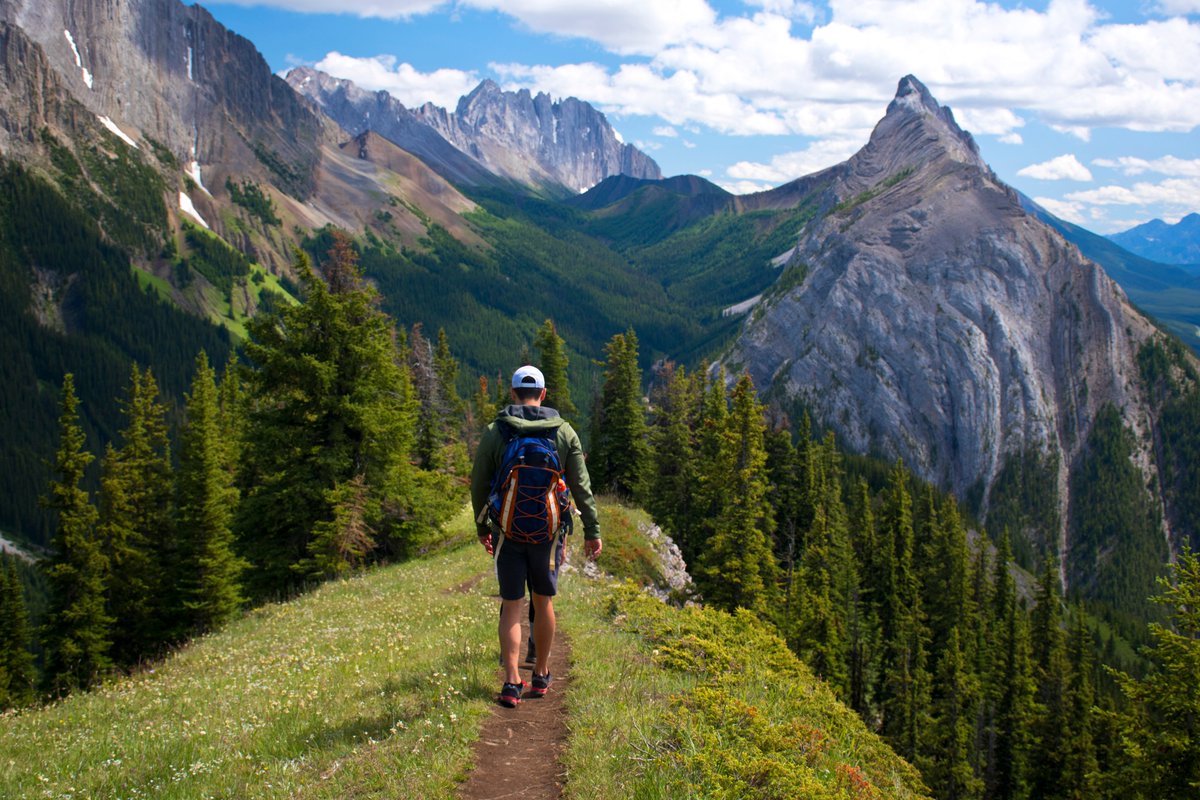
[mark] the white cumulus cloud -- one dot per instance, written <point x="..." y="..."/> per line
<point x="1065" y="167"/>
<point x="1063" y="209"/>
<point x="401" y="80"/>
<point x="789" y="166"/>
<point x="1167" y="165"/>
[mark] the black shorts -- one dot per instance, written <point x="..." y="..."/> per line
<point x="535" y="565"/>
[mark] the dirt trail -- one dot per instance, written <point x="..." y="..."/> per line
<point x="517" y="755"/>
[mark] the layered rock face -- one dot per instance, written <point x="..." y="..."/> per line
<point x="358" y="111"/>
<point x="939" y="322"/>
<point x="514" y="135"/>
<point x="536" y="141"/>
<point x="165" y="70"/>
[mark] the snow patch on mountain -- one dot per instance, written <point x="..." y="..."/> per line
<point x="120" y="134"/>
<point x="87" y="75"/>
<point x="187" y="207"/>
<point x="193" y="171"/>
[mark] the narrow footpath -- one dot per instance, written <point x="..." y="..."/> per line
<point x="519" y="749"/>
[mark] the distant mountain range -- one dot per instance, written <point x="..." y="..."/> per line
<point x="1169" y="244"/>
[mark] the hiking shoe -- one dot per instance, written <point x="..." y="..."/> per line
<point x="531" y="654"/>
<point x="541" y="685"/>
<point x="510" y="695"/>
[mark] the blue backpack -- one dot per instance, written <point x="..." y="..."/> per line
<point x="529" y="501"/>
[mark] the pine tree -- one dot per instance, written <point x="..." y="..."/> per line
<point x="864" y="630"/>
<point x="736" y="568"/>
<point x="135" y="522"/>
<point x="1010" y="692"/>
<point x="16" y="661"/>
<point x="209" y="571"/>
<point x="620" y="454"/>
<point x="1080" y="767"/>
<point x="1051" y="673"/>
<point x="947" y="767"/>
<point x="671" y="479"/>
<point x="1158" y="744"/>
<point x="341" y="544"/>
<point x="232" y="401"/>
<point x="431" y="420"/>
<point x="331" y="399"/>
<point x="78" y="631"/>
<point x="446" y="367"/>
<point x="553" y="359"/>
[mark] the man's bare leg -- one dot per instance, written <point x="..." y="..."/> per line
<point x="510" y="638"/>
<point x="543" y="632"/>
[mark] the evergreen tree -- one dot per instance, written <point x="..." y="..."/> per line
<point x="432" y="417"/>
<point x="1079" y="765"/>
<point x="135" y="522"/>
<point x="710" y="488"/>
<point x="553" y="359"/>
<point x="864" y="624"/>
<point x="232" y="401"/>
<point x="446" y="367"/>
<point x="209" y="571"/>
<point x="620" y="454"/>
<point x="16" y="661"/>
<point x="736" y="568"/>
<point x="1011" y="691"/>
<point x="671" y="478"/>
<point x="331" y="399"/>
<point x="341" y="544"/>
<point x="947" y="766"/>
<point x="1158" y="743"/>
<point x="78" y="631"/>
<point x="1051" y="673"/>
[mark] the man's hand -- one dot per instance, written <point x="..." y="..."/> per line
<point x="592" y="548"/>
<point x="485" y="539"/>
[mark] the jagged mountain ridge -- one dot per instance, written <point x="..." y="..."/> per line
<point x="565" y="145"/>
<point x="941" y="323"/>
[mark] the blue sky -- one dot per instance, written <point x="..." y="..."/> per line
<point x="1090" y="107"/>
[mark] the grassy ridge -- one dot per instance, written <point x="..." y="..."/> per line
<point x="670" y="703"/>
<point x="376" y="687"/>
<point x="367" y="687"/>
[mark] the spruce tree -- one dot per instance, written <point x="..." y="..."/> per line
<point x="135" y="522"/>
<point x="342" y="544"/>
<point x="1080" y="767"/>
<point x="432" y="418"/>
<point x="737" y="568"/>
<point x="78" y="631"/>
<point x="947" y="766"/>
<point x="209" y="571"/>
<point x="553" y="360"/>
<point x="331" y="399"/>
<point x="1051" y="674"/>
<point x="1010" y="692"/>
<point x="446" y="367"/>
<point x="710" y="493"/>
<point x="864" y="631"/>
<point x="1158" y="743"/>
<point x="671" y="478"/>
<point x="16" y="660"/>
<point x="620" y="454"/>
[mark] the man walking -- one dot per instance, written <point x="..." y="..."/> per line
<point x="524" y="529"/>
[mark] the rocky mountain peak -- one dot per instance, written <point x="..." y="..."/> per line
<point x="914" y="132"/>
<point x="939" y="322"/>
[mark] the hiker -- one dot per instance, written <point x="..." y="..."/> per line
<point x="528" y="468"/>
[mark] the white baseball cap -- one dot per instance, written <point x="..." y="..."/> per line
<point x="528" y="377"/>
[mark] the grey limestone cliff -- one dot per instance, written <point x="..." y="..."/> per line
<point x="939" y="322"/>
<point x="534" y="140"/>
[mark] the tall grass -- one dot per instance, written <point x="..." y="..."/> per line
<point x="372" y="686"/>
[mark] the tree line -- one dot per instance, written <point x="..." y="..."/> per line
<point x="340" y="442"/>
<point x="990" y="692"/>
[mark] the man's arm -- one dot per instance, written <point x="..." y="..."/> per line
<point x="481" y="476"/>
<point x="580" y="484"/>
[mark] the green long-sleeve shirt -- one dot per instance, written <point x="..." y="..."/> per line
<point x="527" y="420"/>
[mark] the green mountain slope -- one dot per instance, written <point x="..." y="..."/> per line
<point x="69" y="302"/>
<point x="376" y="686"/>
